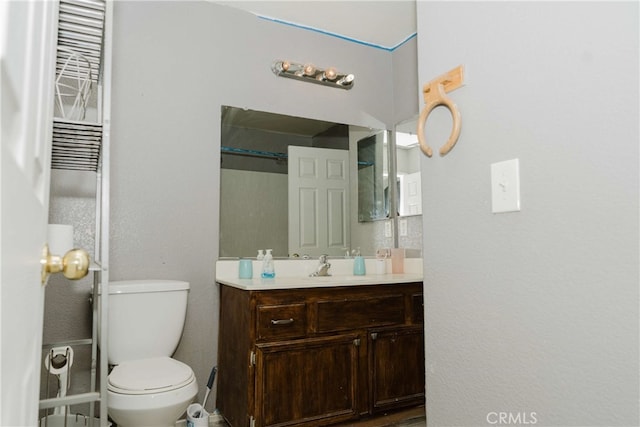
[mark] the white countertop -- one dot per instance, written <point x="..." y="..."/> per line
<point x="292" y="274"/>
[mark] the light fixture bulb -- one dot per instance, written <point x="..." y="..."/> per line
<point x="309" y="69"/>
<point x="285" y="65"/>
<point x="346" y="80"/>
<point x="330" y="73"/>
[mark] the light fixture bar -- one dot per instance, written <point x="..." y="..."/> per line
<point x="309" y="73"/>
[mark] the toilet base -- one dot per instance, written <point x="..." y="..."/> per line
<point x="157" y="418"/>
<point x="151" y="410"/>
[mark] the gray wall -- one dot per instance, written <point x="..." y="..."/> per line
<point x="253" y="213"/>
<point x="175" y="65"/>
<point x="405" y="81"/>
<point x="535" y="311"/>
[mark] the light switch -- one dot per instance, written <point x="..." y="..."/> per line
<point x="387" y="229"/>
<point x="505" y="186"/>
<point x="402" y="225"/>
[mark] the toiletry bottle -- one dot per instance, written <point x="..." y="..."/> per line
<point x="358" y="264"/>
<point x="260" y="255"/>
<point x="381" y="261"/>
<point x="268" y="271"/>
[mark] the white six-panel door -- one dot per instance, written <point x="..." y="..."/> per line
<point x="27" y="73"/>
<point x="318" y="201"/>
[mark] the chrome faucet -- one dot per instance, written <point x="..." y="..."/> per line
<point x="323" y="268"/>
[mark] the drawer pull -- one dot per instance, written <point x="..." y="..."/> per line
<point x="282" y="321"/>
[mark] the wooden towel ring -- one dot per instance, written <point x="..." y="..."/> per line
<point x="435" y="95"/>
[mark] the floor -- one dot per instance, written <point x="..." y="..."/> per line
<point x="414" y="417"/>
<point x="410" y="418"/>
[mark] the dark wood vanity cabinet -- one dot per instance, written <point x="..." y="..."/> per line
<point x="319" y="356"/>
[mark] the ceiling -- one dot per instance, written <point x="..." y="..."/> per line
<point x="384" y="24"/>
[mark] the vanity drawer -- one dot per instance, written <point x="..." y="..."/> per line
<point x="281" y="321"/>
<point x="360" y="313"/>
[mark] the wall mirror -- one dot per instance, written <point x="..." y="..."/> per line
<point x="254" y="183"/>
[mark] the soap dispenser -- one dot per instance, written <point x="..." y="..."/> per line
<point x="358" y="264"/>
<point x="268" y="270"/>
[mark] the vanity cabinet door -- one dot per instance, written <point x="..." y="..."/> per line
<point x="396" y="368"/>
<point x="310" y="381"/>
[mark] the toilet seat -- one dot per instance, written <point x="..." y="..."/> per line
<point x="146" y="376"/>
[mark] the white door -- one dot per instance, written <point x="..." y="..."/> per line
<point x="318" y="201"/>
<point x="27" y="73"/>
<point x="411" y="194"/>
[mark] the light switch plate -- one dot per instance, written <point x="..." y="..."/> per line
<point x="505" y="186"/>
<point x="387" y="229"/>
<point x="402" y="225"/>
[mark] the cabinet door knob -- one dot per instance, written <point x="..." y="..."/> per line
<point x="374" y="335"/>
<point x="282" y="321"/>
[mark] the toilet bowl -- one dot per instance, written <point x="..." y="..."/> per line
<point x="146" y="387"/>
<point x="150" y="392"/>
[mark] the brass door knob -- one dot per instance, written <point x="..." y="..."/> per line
<point x="74" y="264"/>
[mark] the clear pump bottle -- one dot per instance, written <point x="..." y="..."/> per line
<point x="268" y="270"/>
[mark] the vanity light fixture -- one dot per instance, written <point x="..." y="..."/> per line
<point x="310" y="73"/>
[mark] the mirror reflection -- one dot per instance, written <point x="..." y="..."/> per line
<point x="254" y="185"/>
<point x="408" y="169"/>
<point x="373" y="174"/>
<point x="373" y="178"/>
<point x="256" y="209"/>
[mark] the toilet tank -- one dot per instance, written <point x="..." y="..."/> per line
<point x="145" y="318"/>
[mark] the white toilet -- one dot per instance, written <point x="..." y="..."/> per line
<point x="146" y="386"/>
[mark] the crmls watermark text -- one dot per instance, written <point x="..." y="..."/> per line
<point x="512" y="418"/>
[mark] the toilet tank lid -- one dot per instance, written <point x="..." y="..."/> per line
<point x="142" y="286"/>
